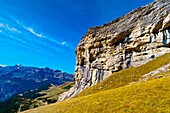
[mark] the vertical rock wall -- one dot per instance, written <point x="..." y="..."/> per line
<point x="131" y="40"/>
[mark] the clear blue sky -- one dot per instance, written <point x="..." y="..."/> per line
<point x="45" y="33"/>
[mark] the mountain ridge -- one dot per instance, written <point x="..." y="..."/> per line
<point x="17" y="79"/>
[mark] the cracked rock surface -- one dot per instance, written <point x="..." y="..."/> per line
<point x="131" y="40"/>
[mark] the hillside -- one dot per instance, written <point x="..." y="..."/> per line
<point x="43" y="95"/>
<point x="18" y="79"/>
<point x="122" y="66"/>
<point x="130" y="75"/>
<point x="152" y="97"/>
<point x="117" y="94"/>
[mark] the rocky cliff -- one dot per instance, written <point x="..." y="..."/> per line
<point x="131" y="40"/>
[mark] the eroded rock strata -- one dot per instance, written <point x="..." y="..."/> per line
<point x="131" y="40"/>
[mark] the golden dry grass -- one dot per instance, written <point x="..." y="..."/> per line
<point x="115" y="95"/>
<point x="147" y="97"/>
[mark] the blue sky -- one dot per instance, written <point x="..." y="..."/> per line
<point x="45" y="33"/>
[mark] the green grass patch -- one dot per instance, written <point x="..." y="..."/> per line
<point x="53" y="92"/>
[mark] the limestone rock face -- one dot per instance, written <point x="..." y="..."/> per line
<point x="131" y="40"/>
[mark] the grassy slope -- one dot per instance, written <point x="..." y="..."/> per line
<point x="53" y="92"/>
<point x="115" y="95"/>
<point x="147" y="97"/>
<point x="125" y="77"/>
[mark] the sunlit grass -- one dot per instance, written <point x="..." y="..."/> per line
<point x="53" y="92"/>
<point x="115" y="95"/>
<point x="125" y="77"/>
<point x="147" y="97"/>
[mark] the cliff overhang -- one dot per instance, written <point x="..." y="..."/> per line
<point x="131" y="40"/>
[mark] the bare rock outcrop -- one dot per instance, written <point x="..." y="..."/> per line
<point x="131" y="40"/>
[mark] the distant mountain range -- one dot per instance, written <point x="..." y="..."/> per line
<point x="18" y="79"/>
<point x="44" y="95"/>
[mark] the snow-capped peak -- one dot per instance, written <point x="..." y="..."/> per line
<point x="2" y="65"/>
